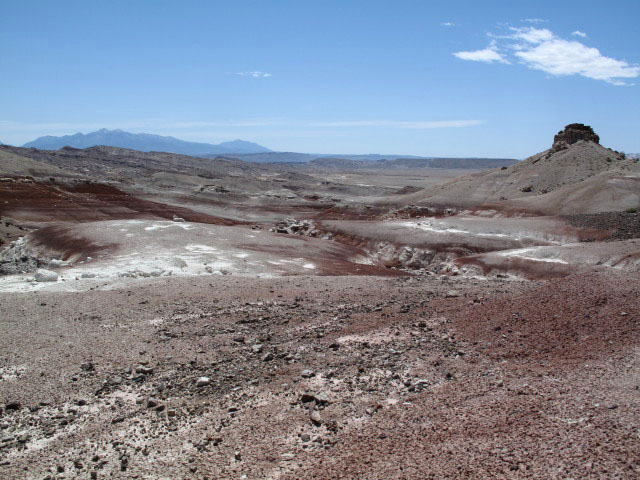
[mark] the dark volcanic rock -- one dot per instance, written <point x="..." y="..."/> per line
<point x="573" y="133"/>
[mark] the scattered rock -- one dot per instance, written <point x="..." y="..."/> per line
<point x="87" y="367"/>
<point x="307" y="397"/>
<point x="320" y="398"/>
<point x="144" y="370"/>
<point x="315" y="417"/>
<point x="292" y="226"/>
<point x="12" y="406"/>
<point x="43" y="275"/>
<point x="203" y="382"/>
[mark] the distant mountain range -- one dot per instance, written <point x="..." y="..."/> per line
<point x="252" y="152"/>
<point x="144" y="142"/>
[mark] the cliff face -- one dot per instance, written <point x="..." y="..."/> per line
<point x="573" y="133"/>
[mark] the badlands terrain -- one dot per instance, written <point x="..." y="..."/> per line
<point x="172" y="317"/>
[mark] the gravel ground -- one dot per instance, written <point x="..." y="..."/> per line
<point x="323" y="377"/>
<point x="619" y="225"/>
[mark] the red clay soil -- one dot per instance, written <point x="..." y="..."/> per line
<point x="27" y="200"/>
<point x="67" y="245"/>
<point x="335" y="260"/>
<point x="545" y="386"/>
<point x="566" y="321"/>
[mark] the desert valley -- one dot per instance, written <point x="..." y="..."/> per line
<point x="174" y="316"/>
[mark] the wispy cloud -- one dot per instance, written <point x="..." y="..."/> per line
<point x="254" y="74"/>
<point x="541" y="49"/>
<point x="448" y="24"/>
<point x="487" y="55"/>
<point x="534" y="20"/>
<point x="416" y="125"/>
<point x="223" y="124"/>
<point x="152" y="124"/>
<point x="578" y="33"/>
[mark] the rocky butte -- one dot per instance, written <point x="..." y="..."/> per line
<point x="573" y="133"/>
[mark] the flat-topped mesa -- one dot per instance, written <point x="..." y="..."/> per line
<point x="573" y="133"/>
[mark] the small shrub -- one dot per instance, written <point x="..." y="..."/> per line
<point x="632" y="210"/>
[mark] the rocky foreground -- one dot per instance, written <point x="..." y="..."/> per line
<point x="323" y="377"/>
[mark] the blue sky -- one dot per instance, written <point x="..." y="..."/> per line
<point x="464" y="78"/>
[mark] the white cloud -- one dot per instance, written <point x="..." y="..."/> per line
<point x="254" y="74"/>
<point x="487" y="55"/>
<point x="534" y="20"/>
<point x="561" y="57"/>
<point x="578" y="33"/>
<point x="532" y="35"/>
<point x="448" y="24"/>
<point x="541" y="49"/>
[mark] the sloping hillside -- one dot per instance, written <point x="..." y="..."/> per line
<point x="16" y="165"/>
<point x="564" y="170"/>
<point x="606" y="192"/>
<point x="103" y="162"/>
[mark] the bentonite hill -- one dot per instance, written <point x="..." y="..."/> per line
<point x="167" y="316"/>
